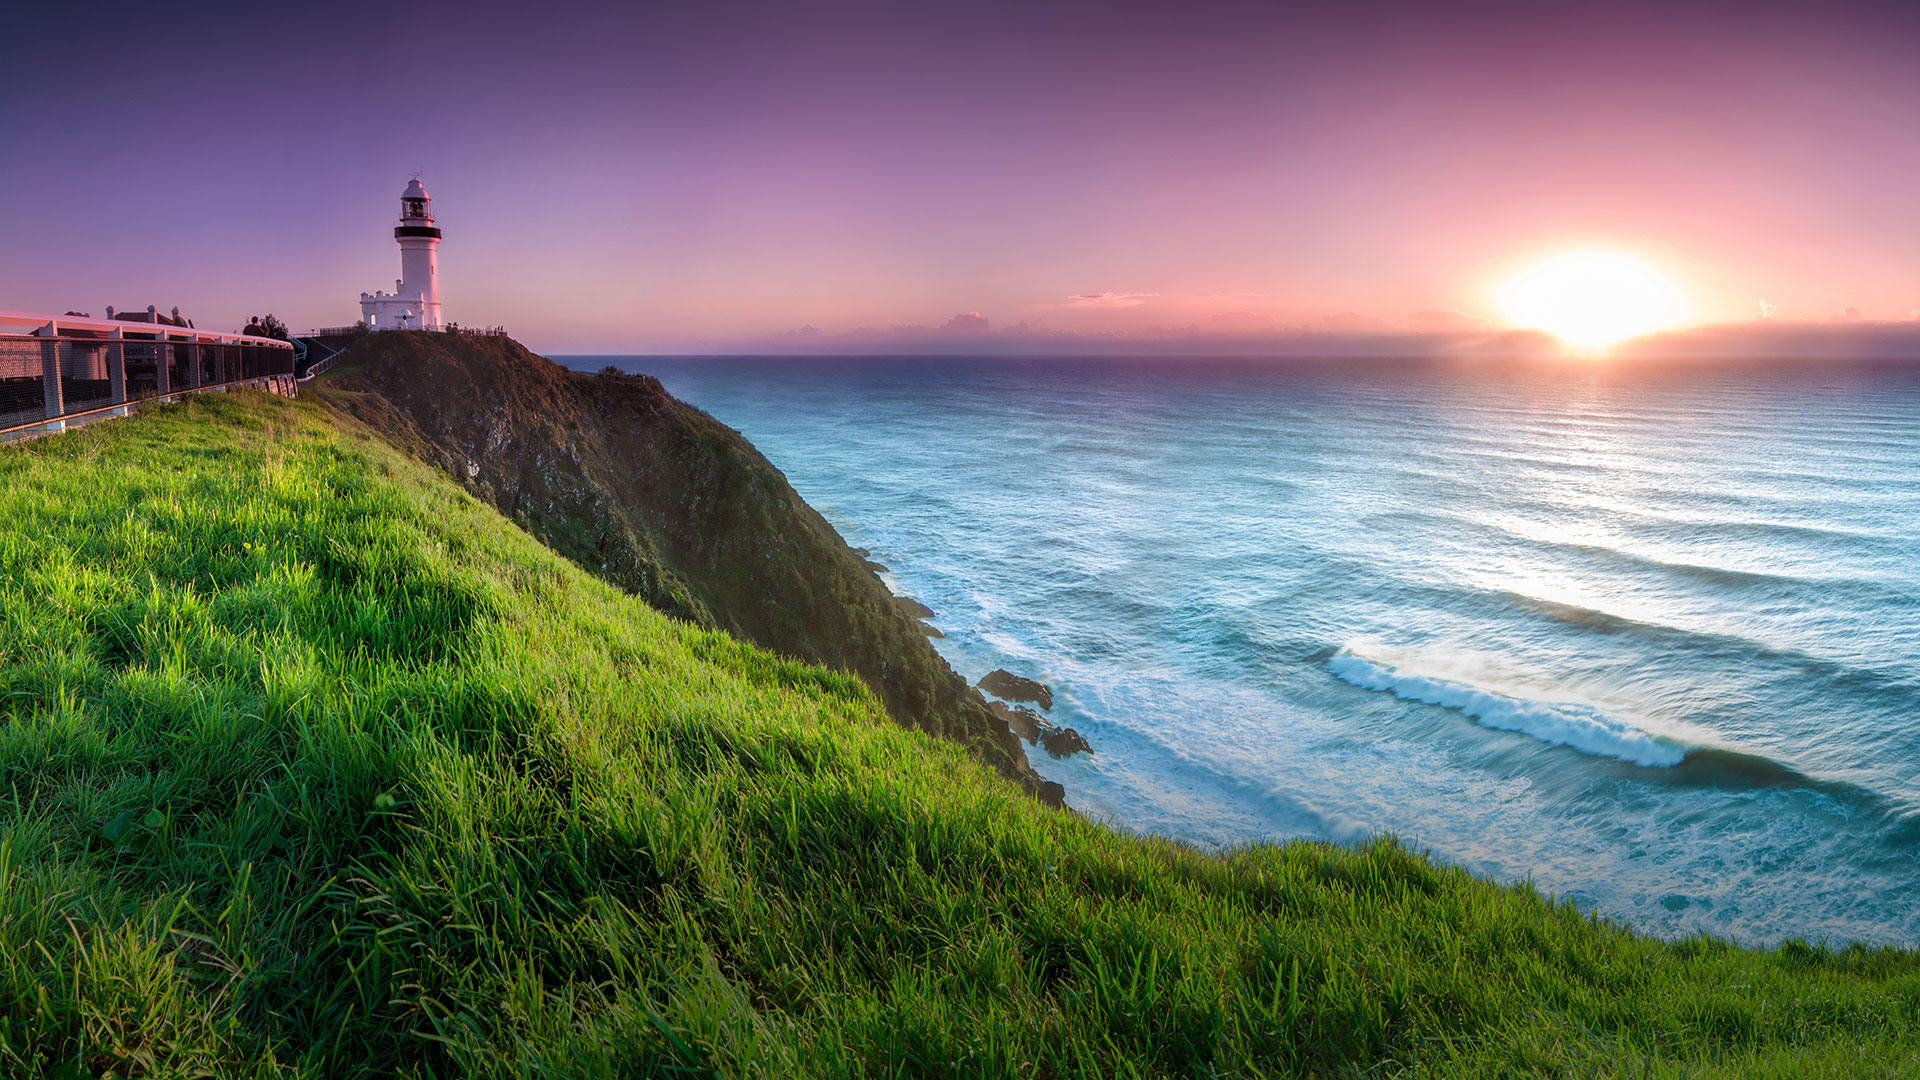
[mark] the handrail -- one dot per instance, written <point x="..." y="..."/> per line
<point x="314" y="367"/>
<point x="319" y="366"/>
<point x="133" y="403"/>
<point x="167" y="331"/>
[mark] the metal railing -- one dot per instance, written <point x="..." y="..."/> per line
<point x="316" y="356"/>
<point x="319" y="366"/>
<point x="360" y="329"/>
<point x="68" y="367"/>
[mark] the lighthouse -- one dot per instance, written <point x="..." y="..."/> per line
<point x="414" y="303"/>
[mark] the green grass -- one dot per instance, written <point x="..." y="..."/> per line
<point x="311" y="765"/>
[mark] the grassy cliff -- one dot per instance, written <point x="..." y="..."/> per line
<point x="666" y="502"/>
<point x="313" y="764"/>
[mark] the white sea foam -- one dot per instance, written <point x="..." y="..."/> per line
<point x="1586" y="728"/>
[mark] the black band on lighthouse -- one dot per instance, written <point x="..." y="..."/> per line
<point x="415" y="230"/>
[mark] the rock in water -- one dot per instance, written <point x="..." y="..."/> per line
<point x="914" y="607"/>
<point x="1064" y="742"/>
<point x="1021" y="720"/>
<point x="1031" y="726"/>
<point x="1002" y="683"/>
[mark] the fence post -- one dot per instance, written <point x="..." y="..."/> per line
<point x="117" y="369"/>
<point x="50" y="375"/>
<point x="161" y="373"/>
<point x="193" y="363"/>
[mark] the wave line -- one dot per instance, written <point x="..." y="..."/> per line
<point x="1585" y="728"/>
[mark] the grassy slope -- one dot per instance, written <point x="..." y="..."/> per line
<point x="314" y="765"/>
<point x="663" y="500"/>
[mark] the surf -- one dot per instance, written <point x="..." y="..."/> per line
<point x="1692" y="674"/>
<point x="1586" y="728"/>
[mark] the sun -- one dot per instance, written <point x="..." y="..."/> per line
<point x="1591" y="298"/>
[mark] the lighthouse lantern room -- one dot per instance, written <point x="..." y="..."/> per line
<point x="414" y="303"/>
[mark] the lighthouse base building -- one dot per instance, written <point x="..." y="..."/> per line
<point x="414" y="303"/>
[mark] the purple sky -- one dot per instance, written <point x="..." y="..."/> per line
<point x="713" y="176"/>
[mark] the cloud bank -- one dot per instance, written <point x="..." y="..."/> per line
<point x="1110" y="299"/>
<point x="1432" y="333"/>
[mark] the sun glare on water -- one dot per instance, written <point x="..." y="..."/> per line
<point x="1591" y="298"/>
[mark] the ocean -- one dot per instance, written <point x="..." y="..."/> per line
<point x="1646" y="636"/>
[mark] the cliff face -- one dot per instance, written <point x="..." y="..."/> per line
<point x="667" y="502"/>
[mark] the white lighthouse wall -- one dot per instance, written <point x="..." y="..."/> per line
<point x="420" y="274"/>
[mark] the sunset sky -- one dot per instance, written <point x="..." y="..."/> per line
<point x="715" y="176"/>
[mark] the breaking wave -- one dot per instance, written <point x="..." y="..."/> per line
<point x="1586" y="728"/>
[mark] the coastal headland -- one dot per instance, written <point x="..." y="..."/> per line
<point x="664" y="501"/>
<point x="470" y="716"/>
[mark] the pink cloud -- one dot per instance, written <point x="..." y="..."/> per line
<point x="1442" y="321"/>
<point x="1245" y="322"/>
<point x="966" y="322"/>
<point x="1110" y="299"/>
<point x="1352" y="322"/>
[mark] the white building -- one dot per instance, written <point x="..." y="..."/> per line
<point x="414" y="303"/>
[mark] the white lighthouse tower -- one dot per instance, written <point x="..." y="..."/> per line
<point x="414" y="303"/>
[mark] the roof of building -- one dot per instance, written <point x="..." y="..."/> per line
<point x="141" y="316"/>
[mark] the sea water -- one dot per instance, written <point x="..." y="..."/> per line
<point x="1647" y="636"/>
